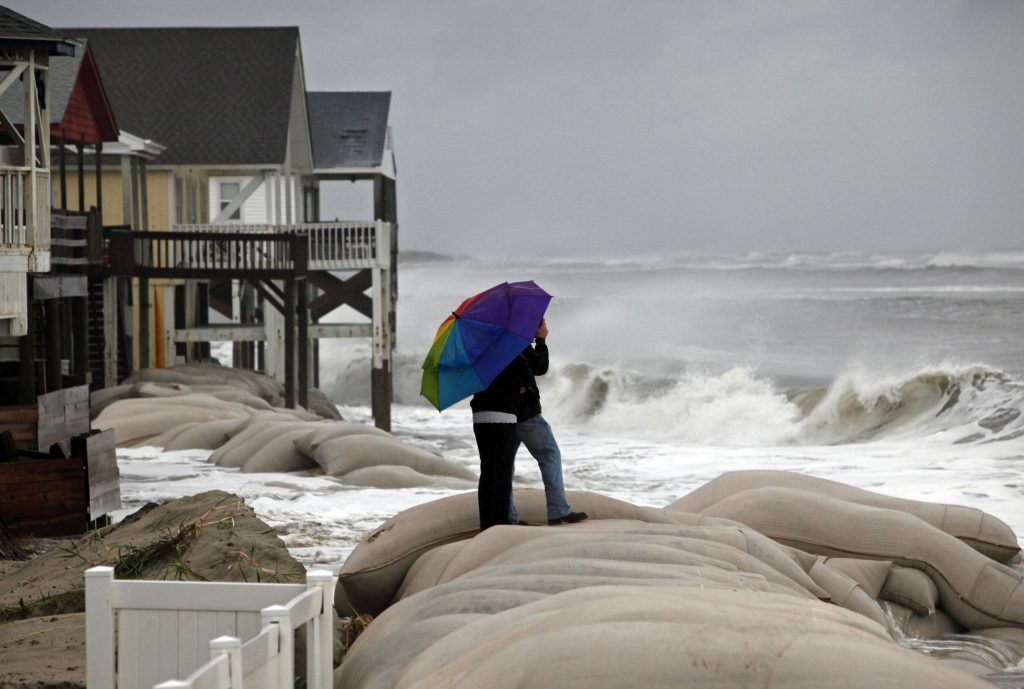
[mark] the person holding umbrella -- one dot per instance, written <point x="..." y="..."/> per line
<point x="534" y="431"/>
<point x="471" y="355"/>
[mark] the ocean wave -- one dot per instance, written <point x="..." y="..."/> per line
<point x="949" y="404"/>
<point x="946" y="403"/>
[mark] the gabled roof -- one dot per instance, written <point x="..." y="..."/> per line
<point x="17" y="30"/>
<point x="79" y="108"/>
<point x="213" y="96"/>
<point x="349" y="129"/>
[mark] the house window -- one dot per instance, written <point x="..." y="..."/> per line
<point x="228" y="191"/>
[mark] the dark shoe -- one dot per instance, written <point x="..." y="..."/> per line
<point x="571" y="518"/>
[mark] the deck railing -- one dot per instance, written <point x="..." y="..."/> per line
<point x="161" y="630"/>
<point x="332" y="245"/>
<point x="24" y="215"/>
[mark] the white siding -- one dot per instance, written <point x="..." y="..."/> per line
<point x="255" y="208"/>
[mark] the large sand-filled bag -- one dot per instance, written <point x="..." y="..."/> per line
<point x="134" y="419"/>
<point x="662" y="551"/>
<point x="983" y="532"/>
<point x="845" y="591"/>
<point x="911" y="588"/>
<point x="389" y="476"/>
<point x="869" y="574"/>
<point x="342" y="455"/>
<point x="374" y="571"/>
<point x="203" y="435"/>
<point x="262" y="425"/>
<point x="311" y="442"/>
<point x="275" y="454"/>
<point x="977" y="591"/>
<point x="607" y="637"/>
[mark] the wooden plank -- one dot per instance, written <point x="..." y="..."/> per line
<point x="17" y="414"/>
<point x="24" y="434"/>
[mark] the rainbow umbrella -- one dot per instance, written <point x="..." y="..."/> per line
<point x="480" y="339"/>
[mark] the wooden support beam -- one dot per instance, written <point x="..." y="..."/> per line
<point x="80" y="337"/>
<point x="338" y="292"/>
<point x="303" y="342"/>
<point x="53" y="331"/>
<point x="62" y="161"/>
<point x="99" y="181"/>
<point x="143" y="323"/>
<point x="289" y="343"/>
<point x="27" y="354"/>
<point x="80" y="146"/>
<point x="300" y="256"/>
<point x="110" y="331"/>
<point x="270" y="293"/>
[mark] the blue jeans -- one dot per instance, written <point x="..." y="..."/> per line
<point x="536" y="434"/>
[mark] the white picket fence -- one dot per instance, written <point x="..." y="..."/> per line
<point x="159" y="631"/>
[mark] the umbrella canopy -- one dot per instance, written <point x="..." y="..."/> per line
<point x="480" y="339"/>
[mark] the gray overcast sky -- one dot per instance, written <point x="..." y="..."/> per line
<point x="588" y="127"/>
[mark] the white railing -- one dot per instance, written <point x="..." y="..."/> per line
<point x="332" y="245"/>
<point x="160" y="630"/>
<point x="24" y="211"/>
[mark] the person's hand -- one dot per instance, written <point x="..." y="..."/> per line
<point x="542" y="331"/>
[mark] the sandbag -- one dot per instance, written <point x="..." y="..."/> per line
<point x="845" y="591"/>
<point x="911" y="588"/>
<point x="677" y="636"/>
<point x="983" y="532"/>
<point x="375" y="569"/>
<point x="204" y="435"/>
<point x="393" y="477"/>
<point x="869" y="574"/>
<point x="131" y="424"/>
<point x="312" y="441"/>
<point x="974" y="589"/>
<point x="276" y="454"/>
<point x="263" y="425"/>
<point x="340" y="456"/>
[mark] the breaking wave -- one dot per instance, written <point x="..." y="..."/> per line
<point x="946" y="403"/>
<point x="951" y="404"/>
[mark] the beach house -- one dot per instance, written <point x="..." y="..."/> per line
<point x="230" y="107"/>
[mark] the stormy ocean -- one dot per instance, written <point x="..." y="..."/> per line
<point x="902" y="374"/>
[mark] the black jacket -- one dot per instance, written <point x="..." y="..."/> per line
<point x="514" y="390"/>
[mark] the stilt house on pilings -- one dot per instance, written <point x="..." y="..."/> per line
<point x="230" y="246"/>
<point x="56" y="475"/>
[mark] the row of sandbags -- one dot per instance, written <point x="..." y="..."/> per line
<point x="247" y="432"/>
<point x="772" y="552"/>
<point x="230" y="384"/>
<point x="612" y="603"/>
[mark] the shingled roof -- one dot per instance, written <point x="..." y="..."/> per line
<point x="17" y="30"/>
<point x="75" y="84"/>
<point x="349" y="129"/>
<point x="213" y="96"/>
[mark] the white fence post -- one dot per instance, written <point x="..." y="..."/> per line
<point x="279" y="615"/>
<point x="320" y="664"/>
<point x="99" y="628"/>
<point x="230" y="646"/>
